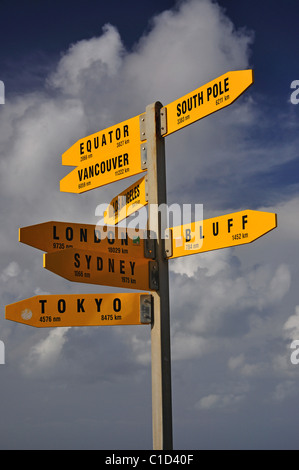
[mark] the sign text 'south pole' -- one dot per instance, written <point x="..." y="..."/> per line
<point x="160" y="332"/>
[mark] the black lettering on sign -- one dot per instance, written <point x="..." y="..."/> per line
<point x="98" y="302"/>
<point x="188" y="235"/>
<point x="99" y="263"/>
<point x="105" y="166"/>
<point x="117" y="305"/>
<point x="244" y="221"/>
<point x="61" y="306"/>
<point x="124" y="241"/>
<point x="111" y="237"/>
<point x="42" y="302"/>
<point x="111" y="265"/>
<point x="226" y="86"/>
<point x="54" y="233"/>
<point x="189" y="104"/>
<point x="77" y="234"/>
<point x="80" y="307"/>
<point x="88" y="258"/>
<point x="122" y="267"/>
<point x="110" y="137"/>
<point x="131" y="195"/>
<point x="97" y="236"/>
<point x="83" y="234"/>
<point x="132" y="265"/>
<point x="126" y="159"/>
<point x="215" y="228"/>
<point x="69" y="234"/>
<point x="218" y="89"/>
<point x="77" y="260"/>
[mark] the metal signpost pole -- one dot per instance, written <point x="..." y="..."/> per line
<point x="160" y="332"/>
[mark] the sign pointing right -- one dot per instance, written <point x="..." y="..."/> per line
<point x="219" y="232"/>
<point x="207" y="99"/>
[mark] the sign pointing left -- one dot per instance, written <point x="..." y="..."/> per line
<point x="127" y="202"/>
<point x="81" y="310"/>
<point x="104" y="157"/>
<point x="58" y="236"/>
<point x="107" y="270"/>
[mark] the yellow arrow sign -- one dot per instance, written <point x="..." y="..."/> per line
<point x="207" y="99"/>
<point x="81" y="310"/>
<point x="104" y="157"/>
<point x="219" y="232"/>
<point x="127" y="202"/>
<point x="55" y="236"/>
<point x="99" y="268"/>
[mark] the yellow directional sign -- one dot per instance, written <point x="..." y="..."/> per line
<point x="205" y="100"/>
<point x="99" y="268"/>
<point x="81" y="310"/>
<point x="104" y="157"/>
<point x="219" y="232"/>
<point x="55" y="236"/>
<point x="127" y="202"/>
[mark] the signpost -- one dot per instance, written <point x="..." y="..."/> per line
<point x="99" y="268"/>
<point x="56" y="236"/>
<point x="219" y="232"/>
<point x="123" y="258"/>
<point x="127" y="202"/>
<point x="160" y="333"/>
<point x="44" y="311"/>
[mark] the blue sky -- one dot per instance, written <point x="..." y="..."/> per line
<point x="74" y="68"/>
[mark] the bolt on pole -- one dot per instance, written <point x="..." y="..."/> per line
<point x="160" y="329"/>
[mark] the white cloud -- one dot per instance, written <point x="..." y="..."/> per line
<point x="12" y="270"/>
<point x="235" y="362"/>
<point x="186" y="346"/>
<point x="93" y="60"/>
<point x="291" y="326"/>
<point x="212" y="262"/>
<point x="284" y="390"/>
<point x="43" y="356"/>
<point x="225" y="290"/>
<point x="218" y="401"/>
